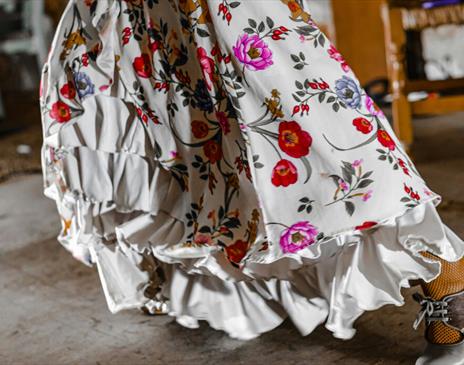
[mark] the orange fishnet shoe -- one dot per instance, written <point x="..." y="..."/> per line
<point x="443" y="312"/>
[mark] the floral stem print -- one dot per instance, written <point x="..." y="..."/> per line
<point x="252" y="137"/>
<point x="291" y="139"/>
<point x="237" y="251"/>
<point x="314" y="88"/>
<point x="349" y="95"/>
<point x="300" y="60"/>
<point x="412" y="198"/>
<point x="350" y="184"/>
<point x="306" y="205"/>
<point x="223" y="221"/>
<point x="225" y="8"/>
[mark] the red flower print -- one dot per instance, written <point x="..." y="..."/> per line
<point x="152" y="116"/>
<point x="207" y="66"/>
<point x="203" y="239"/>
<point x="60" y="112"/>
<point x="410" y="191"/>
<point x="407" y="189"/>
<point x="323" y="85"/>
<point x="293" y="140"/>
<point x="199" y="129"/>
<point x="223" y="122"/>
<point x="363" y="125"/>
<point x="237" y="251"/>
<point x="154" y="45"/>
<point x="313" y="85"/>
<point x="127" y="32"/>
<point x="385" y="139"/>
<point x="264" y="246"/>
<point x="284" y="173"/>
<point x="142" y="65"/>
<point x="85" y="59"/>
<point x="403" y="166"/>
<point x="213" y="151"/>
<point x="276" y="34"/>
<point x="142" y="115"/>
<point x="366" y="225"/>
<point x="68" y="90"/>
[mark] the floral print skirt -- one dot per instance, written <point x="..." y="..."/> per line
<point x="220" y="156"/>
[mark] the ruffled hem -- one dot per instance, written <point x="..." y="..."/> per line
<point x="364" y="271"/>
<point x="120" y="211"/>
<point x="333" y="281"/>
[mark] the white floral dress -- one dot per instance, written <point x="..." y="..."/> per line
<point x="220" y="155"/>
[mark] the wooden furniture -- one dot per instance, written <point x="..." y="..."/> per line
<point x="399" y="17"/>
<point x="359" y="36"/>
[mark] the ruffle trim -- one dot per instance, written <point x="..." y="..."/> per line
<point x="360" y="271"/>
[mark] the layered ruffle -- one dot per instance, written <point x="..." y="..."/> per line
<point x="362" y="273"/>
<point x="115" y="227"/>
<point x="122" y="211"/>
<point x="355" y="272"/>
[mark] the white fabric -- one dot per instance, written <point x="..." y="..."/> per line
<point x="238" y="153"/>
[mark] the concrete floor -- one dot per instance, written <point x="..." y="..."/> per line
<point x="54" y="312"/>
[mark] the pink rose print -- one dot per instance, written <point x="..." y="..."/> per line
<point x="334" y="54"/>
<point x="298" y="236"/>
<point x="343" y="185"/>
<point x="207" y="66"/>
<point x="253" y="52"/>
<point x="367" y="196"/>
<point x="373" y="108"/>
<point x="203" y="239"/>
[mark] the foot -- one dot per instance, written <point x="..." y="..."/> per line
<point x="444" y="329"/>
<point x="442" y="355"/>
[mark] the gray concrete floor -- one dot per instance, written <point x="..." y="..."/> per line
<point x="53" y="310"/>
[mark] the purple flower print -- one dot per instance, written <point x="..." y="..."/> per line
<point x="253" y="52"/>
<point x="297" y="237"/>
<point x="84" y="85"/>
<point x="349" y="92"/>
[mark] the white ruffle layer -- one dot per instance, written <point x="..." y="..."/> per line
<point x="333" y="282"/>
<point x="106" y="150"/>
<point x="361" y="271"/>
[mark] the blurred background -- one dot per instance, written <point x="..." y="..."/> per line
<point x="26" y="32"/>
<point x="408" y="54"/>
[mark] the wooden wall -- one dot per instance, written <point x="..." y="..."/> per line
<point x="359" y="36"/>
